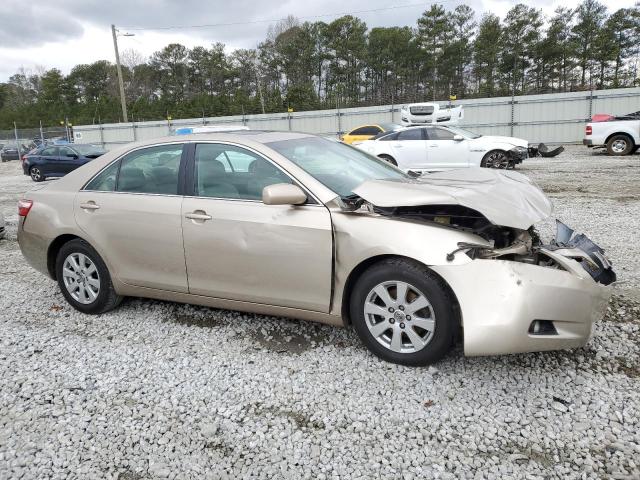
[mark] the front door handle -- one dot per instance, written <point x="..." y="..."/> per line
<point x="198" y="215"/>
<point x="89" y="206"/>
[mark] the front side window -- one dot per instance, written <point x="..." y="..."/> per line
<point x="151" y="170"/>
<point x="67" y="152"/>
<point x="439" y="134"/>
<point x="227" y="171"/>
<point x="338" y="166"/>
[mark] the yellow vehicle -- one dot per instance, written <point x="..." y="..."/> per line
<point x="366" y="132"/>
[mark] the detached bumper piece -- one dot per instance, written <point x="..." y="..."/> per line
<point x="580" y="247"/>
<point x="543" y="151"/>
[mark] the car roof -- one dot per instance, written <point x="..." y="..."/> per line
<point x="259" y="136"/>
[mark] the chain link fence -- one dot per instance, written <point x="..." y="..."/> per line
<point x="29" y="138"/>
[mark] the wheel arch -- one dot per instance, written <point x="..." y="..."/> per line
<point x="54" y="248"/>
<point x="626" y="134"/>
<point x="359" y="269"/>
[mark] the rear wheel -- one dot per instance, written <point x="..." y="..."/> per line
<point x="36" y="174"/>
<point x="389" y="159"/>
<point x="402" y="313"/>
<point x="84" y="279"/>
<point x="620" y="145"/>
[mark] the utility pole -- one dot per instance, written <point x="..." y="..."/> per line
<point x="119" y="68"/>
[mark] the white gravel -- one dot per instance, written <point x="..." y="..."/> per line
<point x="160" y="390"/>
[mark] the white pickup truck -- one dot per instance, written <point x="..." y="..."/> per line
<point x="620" y="135"/>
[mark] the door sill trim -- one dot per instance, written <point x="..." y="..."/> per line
<point x="226" y="304"/>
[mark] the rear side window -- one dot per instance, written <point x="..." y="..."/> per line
<point x="151" y="170"/>
<point x="106" y="180"/>
<point x="412" y="134"/>
<point x="50" y="152"/>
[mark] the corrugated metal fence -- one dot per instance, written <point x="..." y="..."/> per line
<point x="552" y="118"/>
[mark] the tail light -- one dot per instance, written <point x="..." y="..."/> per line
<point x="588" y="130"/>
<point x="24" y="158"/>
<point x="24" y="206"/>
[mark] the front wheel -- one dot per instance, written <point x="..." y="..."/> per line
<point x="620" y="145"/>
<point x="36" y="174"/>
<point x="402" y="313"/>
<point x="496" y="159"/>
<point x="84" y="278"/>
<point x="388" y="159"/>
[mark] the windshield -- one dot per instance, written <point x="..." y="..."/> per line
<point x="89" y="150"/>
<point x="339" y="167"/>
<point x="463" y="132"/>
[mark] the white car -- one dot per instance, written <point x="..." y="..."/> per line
<point x="430" y="112"/>
<point x="435" y="148"/>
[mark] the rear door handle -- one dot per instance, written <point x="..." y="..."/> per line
<point x="198" y="216"/>
<point x="89" y="206"/>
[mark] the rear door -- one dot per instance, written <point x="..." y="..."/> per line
<point x="409" y="149"/>
<point x="443" y="152"/>
<point x="131" y="213"/>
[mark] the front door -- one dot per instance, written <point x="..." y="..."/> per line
<point x="50" y="160"/>
<point x="238" y="248"/>
<point x="131" y="213"/>
<point x="443" y="152"/>
<point x="67" y="160"/>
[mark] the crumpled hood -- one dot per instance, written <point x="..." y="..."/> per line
<point x="516" y="142"/>
<point x="505" y="198"/>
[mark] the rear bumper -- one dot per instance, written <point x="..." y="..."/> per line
<point x="498" y="310"/>
<point x="10" y="156"/>
<point x="588" y="142"/>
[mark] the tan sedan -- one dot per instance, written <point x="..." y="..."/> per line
<point x="299" y="226"/>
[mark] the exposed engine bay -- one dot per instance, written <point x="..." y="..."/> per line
<point x="511" y="243"/>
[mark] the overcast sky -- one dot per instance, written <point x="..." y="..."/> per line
<point x="64" y="33"/>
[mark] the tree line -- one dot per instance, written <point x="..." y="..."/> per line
<point x="343" y="63"/>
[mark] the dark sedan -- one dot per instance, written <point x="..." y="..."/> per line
<point x="58" y="160"/>
<point x="11" y="152"/>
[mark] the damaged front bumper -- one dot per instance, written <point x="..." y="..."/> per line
<point x="502" y="313"/>
<point x="518" y="154"/>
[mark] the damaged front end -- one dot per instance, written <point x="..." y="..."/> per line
<point x="506" y="243"/>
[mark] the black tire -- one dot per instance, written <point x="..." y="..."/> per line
<point x="107" y="298"/>
<point x="431" y="286"/>
<point x="487" y="160"/>
<point x="36" y="174"/>
<point x="620" y="144"/>
<point x="388" y="159"/>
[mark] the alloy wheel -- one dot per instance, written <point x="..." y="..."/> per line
<point x="35" y="174"/>
<point x="619" y="146"/>
<point x="498" y="160"/>
<point x="81" y="278"/>
<point x="399" y="316"/>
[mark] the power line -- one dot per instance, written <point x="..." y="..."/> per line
<point x="273" y="20"/>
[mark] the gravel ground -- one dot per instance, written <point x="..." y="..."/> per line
<point x="160" y="390"/>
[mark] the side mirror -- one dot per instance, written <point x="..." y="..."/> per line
<point x="283" y="194"/>
<point x="458" y="138"/>
<point x="72" y="155"/>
